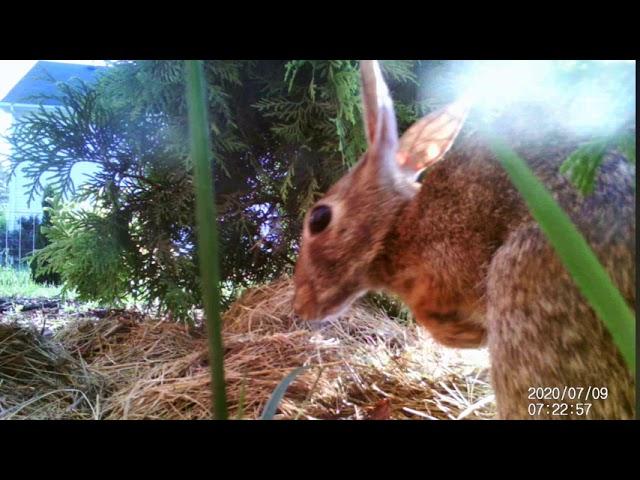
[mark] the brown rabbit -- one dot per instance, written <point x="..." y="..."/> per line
<point x="462" y="251"/>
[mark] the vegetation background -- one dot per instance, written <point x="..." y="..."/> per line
<point x="283" y="132"/>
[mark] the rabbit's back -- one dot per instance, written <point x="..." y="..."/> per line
<point x="542" y="334"/>
<point x="474" y="226"/>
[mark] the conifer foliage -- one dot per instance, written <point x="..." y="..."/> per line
<point x="282" y="132"/>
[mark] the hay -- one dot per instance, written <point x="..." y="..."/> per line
<point x="364" y="365"/>
<point x="40" y="380"/>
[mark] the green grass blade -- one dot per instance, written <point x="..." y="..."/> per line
<point x="574" y="252"/>
<point x="206" y="228"/>
<point x="272" y="405"/>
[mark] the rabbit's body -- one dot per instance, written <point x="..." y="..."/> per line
<point x="464" y="254"/>
<point x="468" y="259"/>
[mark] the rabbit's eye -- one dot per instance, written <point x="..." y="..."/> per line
<point x="319" y="219"/>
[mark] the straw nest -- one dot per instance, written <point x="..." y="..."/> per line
<point x="127" y="366"/>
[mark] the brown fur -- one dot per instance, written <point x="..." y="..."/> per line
<point x="467" y="258"/>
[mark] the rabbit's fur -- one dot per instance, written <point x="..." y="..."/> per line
<point x="462" y="251"/>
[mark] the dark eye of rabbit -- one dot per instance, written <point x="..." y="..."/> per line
<point x="319" y="219"/>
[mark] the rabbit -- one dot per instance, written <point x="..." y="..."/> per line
<point x="461" y="250"/>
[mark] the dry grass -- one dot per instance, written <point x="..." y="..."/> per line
<point x="364" y="365"/>
<point x="40" y="380"/>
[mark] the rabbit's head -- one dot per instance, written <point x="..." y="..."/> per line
<point x="345" y="231"/>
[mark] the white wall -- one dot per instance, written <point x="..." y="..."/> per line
<point x="17" y="204"/>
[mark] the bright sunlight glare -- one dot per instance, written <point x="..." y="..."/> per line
<point x="588" y="102"/>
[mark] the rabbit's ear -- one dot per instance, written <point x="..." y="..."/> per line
<point x="427" y="140"/>
<point x="379" y="116"/>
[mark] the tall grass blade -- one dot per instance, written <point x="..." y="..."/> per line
<point x="207" y="229"/>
